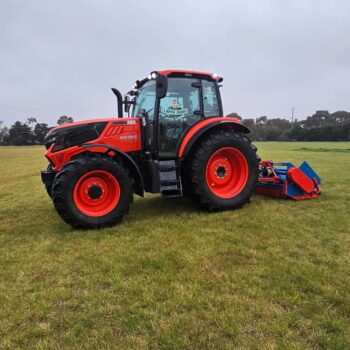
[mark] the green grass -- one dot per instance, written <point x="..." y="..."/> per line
<point x="273" y="275"/>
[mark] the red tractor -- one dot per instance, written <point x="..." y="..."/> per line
<point x="175" y="141"/>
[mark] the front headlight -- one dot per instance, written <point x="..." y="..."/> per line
<point x="49" y="140"/>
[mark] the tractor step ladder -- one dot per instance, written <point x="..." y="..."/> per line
<point x="170" y="181"/>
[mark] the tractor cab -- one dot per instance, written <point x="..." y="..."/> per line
<point x="170" y="103"/>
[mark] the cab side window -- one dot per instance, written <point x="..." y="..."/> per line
<point x="210" y="102"/>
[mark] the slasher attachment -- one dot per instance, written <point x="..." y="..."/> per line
<point x="285" y="180"/>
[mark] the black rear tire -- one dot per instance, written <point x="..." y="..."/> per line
<point x="196" y="184"/>
<point x="66" y="200"/>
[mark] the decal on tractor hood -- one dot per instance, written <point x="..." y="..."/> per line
<point x="128" y="137"/>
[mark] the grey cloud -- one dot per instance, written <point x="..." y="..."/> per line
<point x="62" y="57"/>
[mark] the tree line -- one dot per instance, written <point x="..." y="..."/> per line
<point x="28" y="133"/>
<point x="321" y="126"/>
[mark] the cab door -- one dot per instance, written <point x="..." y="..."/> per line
<point x="178" y="111"/>
<point x="144" y="107"/>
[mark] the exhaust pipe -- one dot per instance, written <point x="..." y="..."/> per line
<point x="120" y="102"/>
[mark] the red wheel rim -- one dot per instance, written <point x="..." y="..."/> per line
<point x="96" y="193"/>
<point x="227" y="172"/>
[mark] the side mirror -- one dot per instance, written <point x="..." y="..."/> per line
<point x="161" y="86"/>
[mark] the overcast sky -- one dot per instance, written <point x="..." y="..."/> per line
<point x="62" y="57"/>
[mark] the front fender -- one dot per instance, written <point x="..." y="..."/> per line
<point x="134" y="169"/>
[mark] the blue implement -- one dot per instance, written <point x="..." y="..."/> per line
<point x="287" y="181"/>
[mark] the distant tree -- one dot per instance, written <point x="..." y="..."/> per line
<point x="284" y="136"/>
<point x="64" y="119"/>
<point x="260" y="128"/>
<point x="341" y="117"/>
<point x="20" y="134"/>
<point x="3" y="134"/>
<point x="40" y="130"/>
<point x="250" y="123"/>
<point x="234" y="115"/>
<point x="31" y="121"/>
<point x="280" y="123"/>
<point x="261" y="120"/>
<point x="318" y="120"/>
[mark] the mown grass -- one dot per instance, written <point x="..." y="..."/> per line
<point x="274" y="274"/>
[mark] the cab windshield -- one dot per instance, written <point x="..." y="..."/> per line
<point x="145" y="100"/>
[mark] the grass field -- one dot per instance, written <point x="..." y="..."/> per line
<point x="273" y="275"/>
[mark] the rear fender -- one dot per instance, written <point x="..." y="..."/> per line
<point x="199" y="129"/>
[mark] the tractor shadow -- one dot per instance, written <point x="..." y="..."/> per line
<point x="153" y="208"/>
<point x="161" y="207"/>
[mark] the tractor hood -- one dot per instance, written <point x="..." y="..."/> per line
<point x="74" y="134"/>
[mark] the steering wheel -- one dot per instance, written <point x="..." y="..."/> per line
<point x="160" y="113"/>
<point x="151" y="109"/>
<point x="164" y="115"/>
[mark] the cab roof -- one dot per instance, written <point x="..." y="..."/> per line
<point x="175" y="72"/>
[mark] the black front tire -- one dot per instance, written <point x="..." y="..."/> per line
<point x="67" y="178"/>
<point x="48" y="185"/>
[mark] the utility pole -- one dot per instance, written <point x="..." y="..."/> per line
<point x="293" y="114"/>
